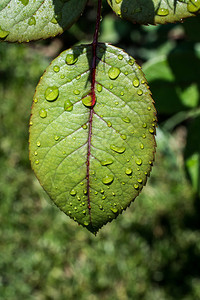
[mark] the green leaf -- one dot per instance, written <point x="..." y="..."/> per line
<point x="165" y="73"/>
<point x="192" y="154"/>
<point x="25" y="20"/>
<point x="155" y="11"/>
<point x="92" y="161"/>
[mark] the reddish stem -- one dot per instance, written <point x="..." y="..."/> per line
<point x="94" y="51"/>
<point x="93" y="80"/>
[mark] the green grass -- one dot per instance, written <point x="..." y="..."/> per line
<point x="150" y="252"/>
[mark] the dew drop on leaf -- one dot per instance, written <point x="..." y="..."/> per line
<point x="162" y="12"/>
<point x="87" y="101"/>
<point x="129" y="171"/>
<point x="114" y="210"/>
<point x="56" y="69"/>
<point x="71" y="59"/>
<point x="32" y="21"/>
<point x="106" y="162"/>
<point x="108" y="179"/>
<point x="126" y="120"/>
<point x="68" y="106"/>
<point x="136" y="82"/>
<point x="43" y="113"/>
<point x="114" y="72"/>
<point x="3" y="33"/>
<point x="73" y="193"/>
<point x="138" y="161"/>
<point x="51" y="93"/>
<point x="117" y="149"/>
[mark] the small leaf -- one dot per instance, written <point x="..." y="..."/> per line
<point x="155" y="11"/>
<point x="93" y="160"/>
<point x="25" y="20"/>
<point x="192" y="154"/>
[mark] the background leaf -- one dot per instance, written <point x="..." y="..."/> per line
<point x="155" y="11"/>
<point x="25" y="20"/>
<point x="92" y="161"/>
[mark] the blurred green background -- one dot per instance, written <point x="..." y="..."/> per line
<point x="152" y="251"/>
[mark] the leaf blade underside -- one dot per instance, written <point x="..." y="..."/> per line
<point x="92" y="161"/>
<point x="25" y="20"/>
<point x="155" y="11"/>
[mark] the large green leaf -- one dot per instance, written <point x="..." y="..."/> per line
<point x="165" y="73"/>
<point x="155" y="11"/>
<point x="92" y="161"/>
<point x="24" y="20"/>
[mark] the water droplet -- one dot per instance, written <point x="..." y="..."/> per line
<point x="149" y="108"/>
<point x="37" y="162"/>
<point x="100" y="207"/>
<point x="139" y="180"/>
<point x="141" y="146"/>
<point x="193" y="6"/>
<point x="139" y="92"/>
<point x="3" y="33"/>
<point x="43" y="113"/>
<point x="62" y="76"/>
<point x="108" y="179"/>
<point x="136" y="186"/>
<point x="75" y="208"/>
<point x="144" y="125"/>
<point x="131" y="61"/>
<point x="84" y="212"/>
<point x="85" y="223"/>
<point x="70" y="203"/>
<point x="32" y="21"/>
<point x="35" y="100"/>
<point x="126" y="73"/>
<point x="122" y="93"/>
<point x="120" y="56"/>
<point x="151" y="130"/>
<point x="129" y="171"/>
<point x="56" y="69"/>
<point x="136" y="82"/>
<point x="117" y="149"/>
<point x="118" y="1"/>
<point x="84" y="126"/>
<point x="114" y="72"/>
<point x="68" y="106"/>
<point x="114" y="209"/>
<point x="162" y="12"/>
<point x="73" y="193"/>
<point x="71" y="59"/>
<point x="126" y="120"/>
<point x="138" y="161"/>
<point x="87" y="101"/>
<point x="76" y="92"/>
<point x="102" y="191"/>
<point x="54" y="21"/>
<point x="85" y="192"/>
<point x="38" y="144"/>
<point x="31" y="123"/>
<point x="35" y="153"/>
<point x="106" y="162"/>
<point x="56" y="138"/>
<point x="51" y="93"/>
<point x="109" y="124"/>
<point x="123" y="136"/>
<point x="99" y="88"/>
<point x="150" y="162"/>
<point x="142" y="81"/>
<point x="144" y="136"/>
<point x="103" y="198"/>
